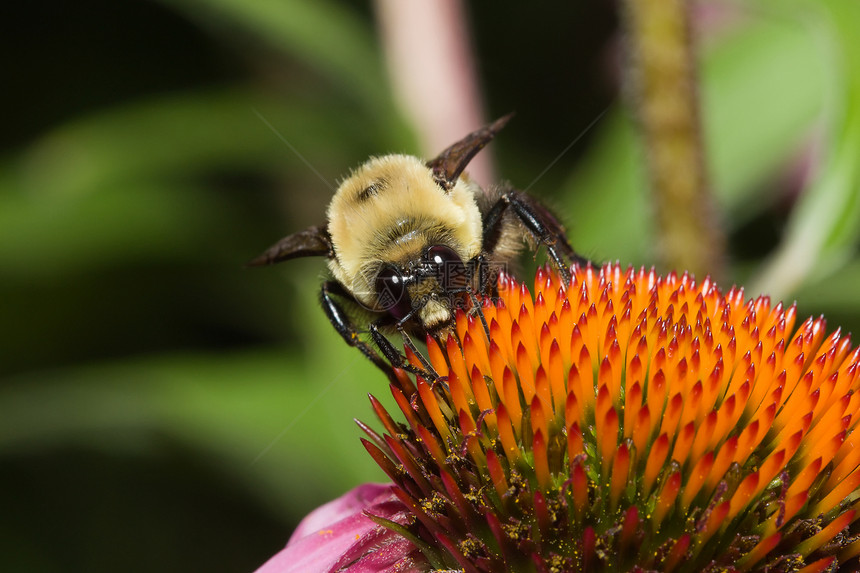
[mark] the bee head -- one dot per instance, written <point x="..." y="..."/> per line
<point x="425" y="289"/>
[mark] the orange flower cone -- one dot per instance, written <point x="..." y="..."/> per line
<point x="629" y="422"/>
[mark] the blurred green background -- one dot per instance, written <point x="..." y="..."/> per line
<point x="162" y="407"/>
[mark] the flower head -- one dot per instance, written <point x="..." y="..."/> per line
<point x="628" y="422"/>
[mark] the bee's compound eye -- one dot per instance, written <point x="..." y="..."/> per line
<point x="391" y="292"/>
<point x="440" y="255"/>
<point x="450" y="270"/>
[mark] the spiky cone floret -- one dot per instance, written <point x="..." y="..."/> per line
<point x="630" y="422"/>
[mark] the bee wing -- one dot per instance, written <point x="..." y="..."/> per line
<point x="312" y="242"/>
<point x="449" y="164"/>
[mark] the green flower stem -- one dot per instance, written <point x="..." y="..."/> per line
<point x="661" y="84"/>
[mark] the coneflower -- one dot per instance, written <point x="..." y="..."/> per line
<point x="624" y="422"/>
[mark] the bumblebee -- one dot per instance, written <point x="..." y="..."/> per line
<point x="411" y="241"/>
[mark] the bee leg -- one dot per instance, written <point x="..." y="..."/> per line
<point x="476" y="307"/>
<point x="347" y="330"/>
<point x="484" y="276"/>
<point x="397" y="359"/>
<point x="428" y="367"/>
<point x="487" y="289"/>
<point x="476" y="304"/>
<point x="537" y="219"/>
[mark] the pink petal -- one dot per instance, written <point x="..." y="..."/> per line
<point x="338" y="536"/>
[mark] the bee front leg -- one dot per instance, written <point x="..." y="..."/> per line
<point x="478" y="266"/>
<point x="345" y="327"/>
<point x="539" y="222"/>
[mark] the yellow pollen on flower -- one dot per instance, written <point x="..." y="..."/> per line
<point x="432" y="444"/>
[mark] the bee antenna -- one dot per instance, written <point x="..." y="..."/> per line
<point x="312" y="242"/>
<point x="448" y="165"/>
